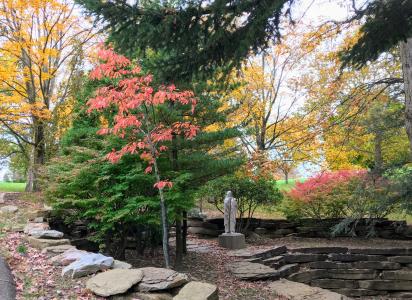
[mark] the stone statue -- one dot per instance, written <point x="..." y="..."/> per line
<point x="230" y="210"/>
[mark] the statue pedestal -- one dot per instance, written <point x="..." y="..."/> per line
<point x="232" y="241"/>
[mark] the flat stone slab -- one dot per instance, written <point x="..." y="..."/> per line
<point x="304" y="257"/>
<point x="58" y="249"/>
<point x="401" y="259"/>
<point x="397" y="275"/>
<point x="46" y="234"/>
<point x="8" y="209"/>
<point x="386" y="285"/>
<point x="261" y="253"/>
<point x="335" y="283"/>
<point x="377" y="265"/>
<point x="148" y="296"/>
<point x="196" y="290"/>
<point x="252" y="271"/>
<point x="301" y="291"/>
<point x="114" y="282"/>
<point x="159" y="279"/>
<point x="43" y="243"/>
<point x="32" y="227"/>
<point x="355" y="257"/>
<point x="382" y="251"/>
<point x="319" y="250"/>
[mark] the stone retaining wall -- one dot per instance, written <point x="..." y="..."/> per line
<point x="382" y="228"/>
<point x="357" y="272"/>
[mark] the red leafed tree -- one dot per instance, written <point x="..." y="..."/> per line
<point x="134" y="99"/>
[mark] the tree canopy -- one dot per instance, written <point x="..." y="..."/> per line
<point x="199" y="36"/>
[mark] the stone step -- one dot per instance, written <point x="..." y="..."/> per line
<point x="43" y="243"/>
<point x="378" y="265"/>
<point x="319" y="250"/>
<point x="301" y="291"/>
<point x="304" y="257"/>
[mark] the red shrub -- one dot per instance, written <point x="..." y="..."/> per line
<point x="323" y="184"/>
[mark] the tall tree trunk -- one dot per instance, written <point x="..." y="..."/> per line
<point x="286" y="177"/>
<point x="406" y="58"/>
<point x="38" y="156"/>
<point x="378" y="164"/>
<point x="184" y="233"/>
<point x="179" y="241"/>
<point x="165" y="229"/>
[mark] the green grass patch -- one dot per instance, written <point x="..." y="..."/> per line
<point x="12" y="186"/>
<point x="285" y="187"/>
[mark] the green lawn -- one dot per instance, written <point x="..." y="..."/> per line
<point x="12" y="186"/>
<point x="285" y="187"/>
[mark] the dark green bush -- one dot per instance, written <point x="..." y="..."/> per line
<point x="249" y="195"/>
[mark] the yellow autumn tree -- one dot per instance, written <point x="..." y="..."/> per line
<point x="346" y="103"/>
<point x="41" y="51"/>
<point x="267" y="102"/>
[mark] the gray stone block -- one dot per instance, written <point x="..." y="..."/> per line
<point x="386" y="285"/>
<point x="286" y="270"/>
<point x="397" y="275"/>
<point x="382" y="251"/>
<point x="232" y="241"/>
<point x="304" y="257"/>
<point x="320" y="250"/>
<point x="360" y="292"/>
<point x="335" y="283"/>
<point x="355" y="257"/>
<point x="307" y="276"/>
<point x="401" y="259"/>
<point x="378" y="265"/>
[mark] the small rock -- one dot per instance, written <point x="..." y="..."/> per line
<point x="38" y="220"/>
<point x="58" y="249"/>
<point x="196" y="290"/>
<point x="46" y="234"/>
<point x="118" y="264"/>
<point x="158" y="279"/>
<point x="9" y="209"/>
<point x="114" y="282"/>
<point x="88" y="264"/>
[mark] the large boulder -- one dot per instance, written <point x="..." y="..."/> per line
<point x="88" y="264"/>
<point x="69" y="256"/>
<point x="158" y="279"/>
<point x="114" y="282"/>
<point x="46" y="234"/>
<point x="196" y="290"/>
